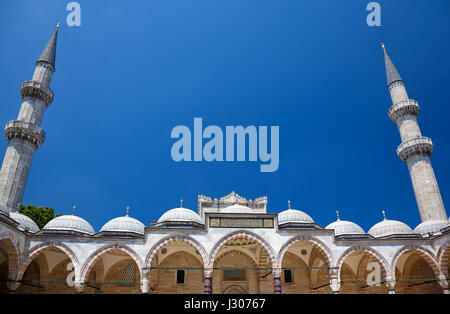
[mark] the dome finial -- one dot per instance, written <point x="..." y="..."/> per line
<point x="73" y="210"/>
<point x="128" y="210"/>
<point x="337" y="214"/>
<point x="181" y="203"/>
<point x="289" y="204"/>
<point x="384" y="214"/>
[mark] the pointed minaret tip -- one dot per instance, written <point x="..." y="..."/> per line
<point x="392" y="74"/>
<point x="49" y="54"/>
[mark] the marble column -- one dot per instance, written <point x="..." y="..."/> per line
<point x="208" y="280"/>
<point x="276" y="272"/>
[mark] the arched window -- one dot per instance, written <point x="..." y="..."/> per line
<point x="128" y="274"/>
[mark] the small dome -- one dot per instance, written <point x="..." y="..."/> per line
<point x="69" y="223"/>
<point x="341" y="227"/>
<point x="237" y="209"/>
<point x="25" y="222"/>
<point x="180" y="215"/>
<point x="389" y="227"/>
<point x="293" y="215"/>
<point x="124" y="224"/>
<point x="431" y="226"/>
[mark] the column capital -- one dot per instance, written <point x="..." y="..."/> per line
<point x="391" y="286"/>
<point x="79" y="287"/>
<point x="208" y="271"/>
<point x="276" y="272"/>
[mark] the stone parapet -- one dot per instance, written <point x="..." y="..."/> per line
<point x="25" y="130"/>
<point x="38" y="90"/>
<point x="403" y="108"/>
<point x="415" y="146"/>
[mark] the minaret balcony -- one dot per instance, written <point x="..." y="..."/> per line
<point x="409" y="107"/>
<point x="415" y="146"/>
<point x="26" y="131"/>
<point x="38" y="90"/>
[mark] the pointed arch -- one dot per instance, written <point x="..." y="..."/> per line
<point x="444" y="257"/>
<point x="241" y="234"/>
<point x="94" y="257"/>
<point x="37" y="249"/>
<point x="12" y="250"/>
<point x="316" y="243"/>
<point x="172" y="238"/>
<point x="385" y="269"/>
<point x="423" y="252"/>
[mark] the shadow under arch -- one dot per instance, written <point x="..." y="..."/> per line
<point x="94" y="257"/>
<point x="33" y="252"/>
<point x="423" y="252"/>
<point x="420" y="272"/>
<point x="444" y="259"/>
<point x="365" y="249"/>
<point x="328" y="257"/>
<point x="172" y="238"/>
<point x="386" y="274"/>
<point x="10" y="244"/>
<point x="49" y="272"/>
<point x="236" y="267"/>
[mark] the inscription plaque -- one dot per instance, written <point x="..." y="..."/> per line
<point x="239" y="222"/>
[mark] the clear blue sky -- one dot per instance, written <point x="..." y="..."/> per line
<point x="136" y="69"/>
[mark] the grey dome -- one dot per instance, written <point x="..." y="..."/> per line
<point x="293" y="215"/>
<point x="69" y="223"/>
<point x="180" y="214"/>
<point x="342" y="227"/>
<point x="124" y="224"/>
<point x="431" y="226"/>
<point x="25" y="222"/>
<point x="389" y="227"/>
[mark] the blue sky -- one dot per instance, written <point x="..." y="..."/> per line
<point x="136" y="69"/>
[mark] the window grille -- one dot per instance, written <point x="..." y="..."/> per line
<point x="128" y="274"/>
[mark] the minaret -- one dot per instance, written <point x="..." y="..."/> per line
<point x="415" y="149"/>
<point x="24" y="135"/>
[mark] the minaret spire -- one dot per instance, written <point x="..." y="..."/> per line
<point x="415" y="149"/>
<point x="25" y="135"/>
<point x="392" y="74"/>
<point x="49" y="54"/>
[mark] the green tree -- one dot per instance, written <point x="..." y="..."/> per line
<point x="40" y="215"/>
